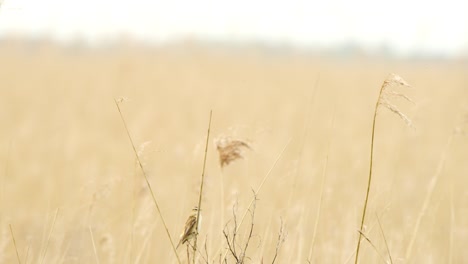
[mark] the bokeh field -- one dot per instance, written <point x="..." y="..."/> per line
<point x="72" y="192"/>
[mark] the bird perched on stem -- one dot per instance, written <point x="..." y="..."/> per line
<point x="189" y="229"/>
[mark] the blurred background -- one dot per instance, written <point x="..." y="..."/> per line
<point x="399" y="28"/>
<point x="304" y="72"/>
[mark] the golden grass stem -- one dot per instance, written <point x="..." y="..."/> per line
<point x="322" y="187"/>
<point x="427" y="199"/>
<point x="373" y="246"/>
<point x="49" y="236"/>
<point x="14" y="244"/>
<point x="258" y="190"/>
<point x="222" y="203"/>
<point x="27" y="255"/>
<point x="385" y="95"/>
<point x="371" y="227"/>
<point x="94" y="245"/>
<point x="5" y="175"/>
<point x="134" y="204"/>
<point x="201" y="186"/>
<point x="383" y="99"/>
<point x="147" y="181"/>
<point x="306" y="130"/>
<point x="385" y="239"/>
<point x="143" y="248"/>
<point x="369" y="180"/>
<point x="452" y="223"/>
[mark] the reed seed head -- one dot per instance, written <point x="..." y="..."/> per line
<point x="389" y="93"/>
<point x="230" y="149"/>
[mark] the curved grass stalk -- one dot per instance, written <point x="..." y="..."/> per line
<point x="201" y="188"/>
<point x="146" y="180"/>
<point x="385" y="95"/>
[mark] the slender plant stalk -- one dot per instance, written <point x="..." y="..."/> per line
<point x="306" y="129"/>
<point x="385" y="239"/>
<point x="50" y="235"/>
<point x="147" y="181"/>
<point x="385" y="95"/>
<point x="222" y="200"/>
<point x="322" y="187"/>
<point x="373" y="246"/>
<point x="142" y="249"/>
<point x="134" y="197"/>
<point x="370" y="176"/>
<point x="369" y="230"/>
<point x="452" y="223"/>
<point x="14" y="244"/>
<point x="427" y="199"/>
<point x="27" y="255"/>
<point x="201" y="187"/>
<point x="256" y="193"/>
<point x="94" y="245"/>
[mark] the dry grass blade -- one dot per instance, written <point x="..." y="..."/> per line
<point x="230" y="149"/>
<point x="385" y="239"/>
<point x="395" y="79"/>
<point x="50" y="235"/>
<point x="201" y="187"/>
<point x="393" y="108"/>
<point x="258" y="190"/>
<point x="235" y="245"/>
<point x="387" y="94"/>
<point x="395" y="94"/>
<point x="369" y="229"/>
<point x="373" y="246"/>
<point x="27" y="255"/>
<point x="94" y="245"/>
<point x="117" y="103"/>
<point x="14" y="241"/>
<point x="281" y="238"/>
<point x="383" y="100"/>
<point x="306" y="129"/>
<point x="322" y="187"/>
<point x="427" y="199"/>
<point x="452" y="224"/>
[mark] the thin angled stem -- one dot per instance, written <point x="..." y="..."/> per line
<point x="369" y="180"/>
<point x="132" y="228"/>
<point x="94" y="245"/>
<point x="201" y="187"/>
<point x="371" y="227"/>
<point x="452" y="223"/>
<point x="383" y="99"/>
<point x="306" y="129"/>
<point x="147" y="181"/>
<point x="322" y="187"/>
<point x="222" y="201"/>
<point x="373" y="246"/>
<point x="258" y="190"/>
<point x="452" y="202"/>
<point x="50" y="235"/>
<point x="427" y="199"/>
<point x="14" y="243"/>
<point x="385" y="239"/>
<point x="27" y="255"/>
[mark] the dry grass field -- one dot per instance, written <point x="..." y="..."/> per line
<point x="72" y="192"/>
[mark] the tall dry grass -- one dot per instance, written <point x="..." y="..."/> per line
<point x="62" y="145"/>
<point x="386" y="96"/>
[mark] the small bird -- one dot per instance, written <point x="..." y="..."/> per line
<point x="190" y="230"/>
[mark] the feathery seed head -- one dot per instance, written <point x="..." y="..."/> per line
<point x="230" y="149"/>
<point x="387" y="94"/>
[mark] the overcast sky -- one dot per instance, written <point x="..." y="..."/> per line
<point x="403" y="25"/>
